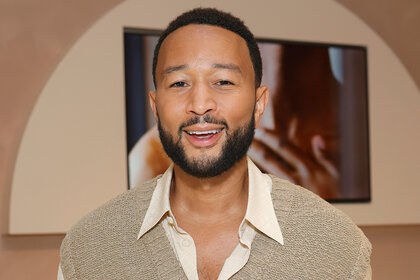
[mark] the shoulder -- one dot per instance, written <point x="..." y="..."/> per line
<point x="124" y="205"/>
<point x="107" y="236"/>
<point x="121" y="215"/>
<point x="313" y="225"/>
<point x="295" y="200"/>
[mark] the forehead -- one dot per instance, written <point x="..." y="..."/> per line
<point x="199" y="43"/>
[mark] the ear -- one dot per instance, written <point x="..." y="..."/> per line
<point x="262" y="97"/>
<point x="152" y="101"/>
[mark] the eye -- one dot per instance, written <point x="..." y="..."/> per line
<point x="178" y="84"/>
<point x="224" y="83"/>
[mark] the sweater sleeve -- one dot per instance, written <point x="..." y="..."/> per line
<point x="60" y="273"/>
<point x="369" y="274"/>
<point x="66" y="264"/>
<point x="362" y="269"/>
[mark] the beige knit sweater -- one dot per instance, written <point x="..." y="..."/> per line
<point x="320" y="242"/>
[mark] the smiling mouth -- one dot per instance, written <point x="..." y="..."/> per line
<point x="204" y="134"/>
<point x="203" y="138"/>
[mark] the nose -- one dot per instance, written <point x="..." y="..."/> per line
<point x="201" y="100"/>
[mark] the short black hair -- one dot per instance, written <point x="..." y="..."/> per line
<point x="211" y="16"/>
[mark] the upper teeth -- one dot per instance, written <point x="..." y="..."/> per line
<point x="214" y="131"/>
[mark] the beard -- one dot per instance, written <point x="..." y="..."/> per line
<point x="233" y="150"/>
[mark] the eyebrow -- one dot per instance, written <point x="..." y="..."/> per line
<point x="171" y="69"/>
<point x="229" y="66"/>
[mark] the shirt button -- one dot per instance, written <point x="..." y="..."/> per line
<point x="170" y="221"/>
<point x="186" y="243"/>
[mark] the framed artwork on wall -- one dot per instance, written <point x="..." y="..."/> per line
<point x="314" y="131"/>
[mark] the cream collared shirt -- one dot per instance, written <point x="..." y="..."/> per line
<point x="259" y="216"/>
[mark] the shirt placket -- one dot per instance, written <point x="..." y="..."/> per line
<point x="185" y="249"/>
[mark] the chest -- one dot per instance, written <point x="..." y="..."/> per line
<point x="213" y="245"/>
<point x="212" y="249"/>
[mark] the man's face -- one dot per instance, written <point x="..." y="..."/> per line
<point x="205" y="98"/>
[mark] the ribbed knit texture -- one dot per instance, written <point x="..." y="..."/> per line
<point x="320" y="242"/>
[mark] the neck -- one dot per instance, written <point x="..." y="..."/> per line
<point x="213" y="197"/>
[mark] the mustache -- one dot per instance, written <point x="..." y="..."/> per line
<point x="202" y="119"/>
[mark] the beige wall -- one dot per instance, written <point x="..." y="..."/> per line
<point x="397" y="22"/>
<point x="34" y="37"/>
<point x="30" y="49"/>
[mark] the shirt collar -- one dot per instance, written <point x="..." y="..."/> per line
<point x="159" y="203"/>
<point x="260" y="211"/>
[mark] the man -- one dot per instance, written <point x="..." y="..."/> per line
<point x="213" y="214"/>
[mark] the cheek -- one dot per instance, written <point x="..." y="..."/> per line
<point x="171" y="113"/>
<point x="237" y="111"/>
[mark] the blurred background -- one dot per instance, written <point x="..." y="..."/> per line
<point x="62" y="114"/>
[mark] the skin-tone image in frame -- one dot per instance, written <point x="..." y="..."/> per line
<point x="314" y="132"/>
